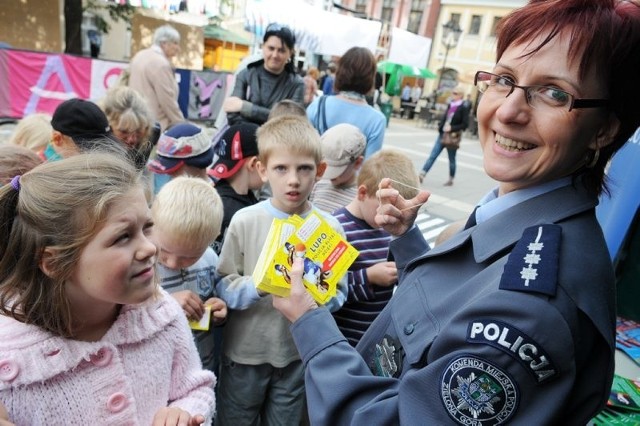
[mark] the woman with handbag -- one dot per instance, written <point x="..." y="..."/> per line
<point x="452" y="124"/>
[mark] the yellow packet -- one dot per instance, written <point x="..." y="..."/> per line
<point x="203" y="323"/>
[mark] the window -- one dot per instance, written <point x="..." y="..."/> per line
<point x="361" y="6"/>
<point x="455" y="17"/>
<point x="496" y="20"/>
<point x="387" y="10"/>
<point x="474" y="28"/>
<point x="415" y="16"/>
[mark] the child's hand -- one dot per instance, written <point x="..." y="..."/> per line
<point x="4" y="416"/>
<point x="190" y="304"/>
<point x="172" y="416"/>
<point x="218" y="309"/>
<point x="383" y="274"/>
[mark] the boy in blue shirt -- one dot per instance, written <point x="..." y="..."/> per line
<point x="261" y="375"/>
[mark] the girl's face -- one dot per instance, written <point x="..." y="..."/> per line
<point x="523" y="146"/>
<point x="117" y="265"/>
<point x="275" y="54"/>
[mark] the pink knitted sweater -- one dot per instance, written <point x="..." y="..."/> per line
<point x="146" y="361"/>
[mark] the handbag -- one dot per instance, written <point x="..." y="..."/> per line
<point x="320" y="122"/>
<point x="451" y="140"/>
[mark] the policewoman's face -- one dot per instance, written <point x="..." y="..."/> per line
<point x="275" y="54"/>
<point x="523" y="146"/>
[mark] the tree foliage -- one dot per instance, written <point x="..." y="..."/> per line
<point x="117" y="12"/>
<point x="73" y="10"/>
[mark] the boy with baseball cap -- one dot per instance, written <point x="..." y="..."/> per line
<point x="343" y="147"/>
<point x="184" y="149"/>
<point x="237" y="172"/>
<point x="78" y="125"/>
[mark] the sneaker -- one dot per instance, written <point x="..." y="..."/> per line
<point x="422" y="175"/>
<point x="449" y="182"/>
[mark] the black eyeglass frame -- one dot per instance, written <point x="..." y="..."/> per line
<point x="576" y="103"/>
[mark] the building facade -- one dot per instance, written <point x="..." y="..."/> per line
<point x="476" y="47"/>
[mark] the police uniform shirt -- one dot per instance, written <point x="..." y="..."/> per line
<point x="510" y="321"/>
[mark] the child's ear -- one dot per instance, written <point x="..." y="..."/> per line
<point x="45" y="262"/>
<point x="358" y="163"/>
<point x="252" y="163"/>
<point x="362" y="193"/>
<point x="322" y="167"/>
<point x="56" y="138"/>
<point x="262" y="170"/>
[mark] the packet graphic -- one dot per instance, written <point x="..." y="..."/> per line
<point x="326" y="254"/>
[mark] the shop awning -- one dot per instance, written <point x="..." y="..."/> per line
<point x="218" y="33"/>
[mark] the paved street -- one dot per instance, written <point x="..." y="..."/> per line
<point x="446" y="204"/>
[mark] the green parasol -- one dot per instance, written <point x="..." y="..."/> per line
<point x="398" y="72"/>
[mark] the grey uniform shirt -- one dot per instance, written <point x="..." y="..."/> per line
<point x="478" y="333"/>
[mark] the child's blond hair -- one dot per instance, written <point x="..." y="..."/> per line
<point x="16" y="160"/>
<point x="389" y="163"/>
<point x="33" y="132"/>
<point x="287" y="107"/>
<point x="188" y="209"/>
<point x="293" y="134"/>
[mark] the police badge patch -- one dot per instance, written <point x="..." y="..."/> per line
<point x="476" y="392"/>
<point x="387" y="359"/>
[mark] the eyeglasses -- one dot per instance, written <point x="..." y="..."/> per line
<point x="538" y="97"/>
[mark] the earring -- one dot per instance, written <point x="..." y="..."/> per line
<point x="591" y="163"/>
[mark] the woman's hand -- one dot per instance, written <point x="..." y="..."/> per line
<point x="395" y="214"/>
<point x="173" y="416"/>
<point x="232" y="104"/>
<point x="299" y="301"/>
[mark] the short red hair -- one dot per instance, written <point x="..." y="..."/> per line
<point x="604" y="34"/>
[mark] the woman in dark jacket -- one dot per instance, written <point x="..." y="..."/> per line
<point x="455" y="119"/>
<point x="267" y="81"/>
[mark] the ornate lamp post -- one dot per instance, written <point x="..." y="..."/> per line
<point x="450" y="36"/>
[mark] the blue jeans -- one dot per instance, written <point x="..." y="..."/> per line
<point x="437" y="149"/>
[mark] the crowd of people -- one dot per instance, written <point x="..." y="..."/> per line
<point x="131" y="236"/>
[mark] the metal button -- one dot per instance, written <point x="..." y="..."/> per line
<point x="408" y="329"/>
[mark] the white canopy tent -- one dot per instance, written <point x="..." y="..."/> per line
<point x="316" y="30"/>
<point x="409" y="48"/>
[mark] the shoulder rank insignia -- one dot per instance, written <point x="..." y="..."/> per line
<point x="533" y="264"/>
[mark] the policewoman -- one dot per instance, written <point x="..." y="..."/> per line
<point x="512" y="319"/>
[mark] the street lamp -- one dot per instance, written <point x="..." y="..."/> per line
<point x="450" y="35"/>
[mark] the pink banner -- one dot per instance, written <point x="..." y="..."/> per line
<point x="104" y="75"/>
<point x="39" y="81"/>
<point x="5" y="96"/>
